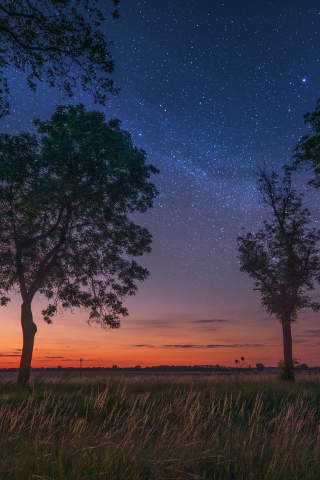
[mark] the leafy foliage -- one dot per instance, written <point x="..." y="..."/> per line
<point x="66" y="196"/>
<point x="57" y="41"/>
<point x="307" y="152"/>
<point x="283" y="373"/>
<point x="283" y="257"/>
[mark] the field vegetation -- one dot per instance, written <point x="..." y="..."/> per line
<point x="160" y="427"/>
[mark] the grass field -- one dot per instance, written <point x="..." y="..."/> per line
<point x="160" y="428"/>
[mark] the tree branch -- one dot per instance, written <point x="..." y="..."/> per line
<point x="16" y="14"/>
<point x="29" y="242"/>
<point x="45" y="267"/>
<point x="30" y="47"/>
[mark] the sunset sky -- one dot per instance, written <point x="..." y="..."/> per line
<point x="211" y="90"/>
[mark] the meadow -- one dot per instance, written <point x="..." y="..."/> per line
<point x="160" y="427"/>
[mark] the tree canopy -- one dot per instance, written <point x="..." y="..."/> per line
<point x="59" y="42"/>
<point x="66" y="196"/>
<point x="284" y="254"/>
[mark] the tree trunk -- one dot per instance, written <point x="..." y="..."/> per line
<point x="29" y="329"/>
<point x="288" y="373"/>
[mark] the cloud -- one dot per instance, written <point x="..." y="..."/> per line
<point x="53" y="357"/>
<point x="181" y="346"/>
<point x="143" y="345"/>
<point x="217" y="345"/>
<point x="158" y="323"/>
<point x="213" y="320"/>
<point x="9" y="355"/>
<point x="314" y="333"/>
<point x="237" y="345"/>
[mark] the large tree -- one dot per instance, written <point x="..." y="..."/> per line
<point x="57" y="41"/>
<point x="283" y="258"/>
<point x="307" y="153"/>
<point x="66" y="229"/>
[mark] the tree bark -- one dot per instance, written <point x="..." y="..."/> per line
<point x="29" y="329"/>
<point x="287" y="349"/>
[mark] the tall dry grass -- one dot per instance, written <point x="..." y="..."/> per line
<point x="157" y="428"/>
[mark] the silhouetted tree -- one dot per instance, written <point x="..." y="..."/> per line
<point x="65" y="197"/>
<point x="283" y="257"/>
<point x="307" y="153"/>
<point x="57" y="41"/>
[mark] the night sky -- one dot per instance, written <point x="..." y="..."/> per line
<point x="211" y="90"/>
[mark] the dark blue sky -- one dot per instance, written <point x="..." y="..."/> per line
<point x="211" y="90"/>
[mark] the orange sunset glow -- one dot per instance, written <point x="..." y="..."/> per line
<point x="158" y="337"/>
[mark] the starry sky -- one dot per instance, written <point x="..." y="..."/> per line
<point x="211" y="90"/>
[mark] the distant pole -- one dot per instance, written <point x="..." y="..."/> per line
<point x="81" y="367"/>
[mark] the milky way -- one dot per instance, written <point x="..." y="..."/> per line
<point x="211" y="90"/>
